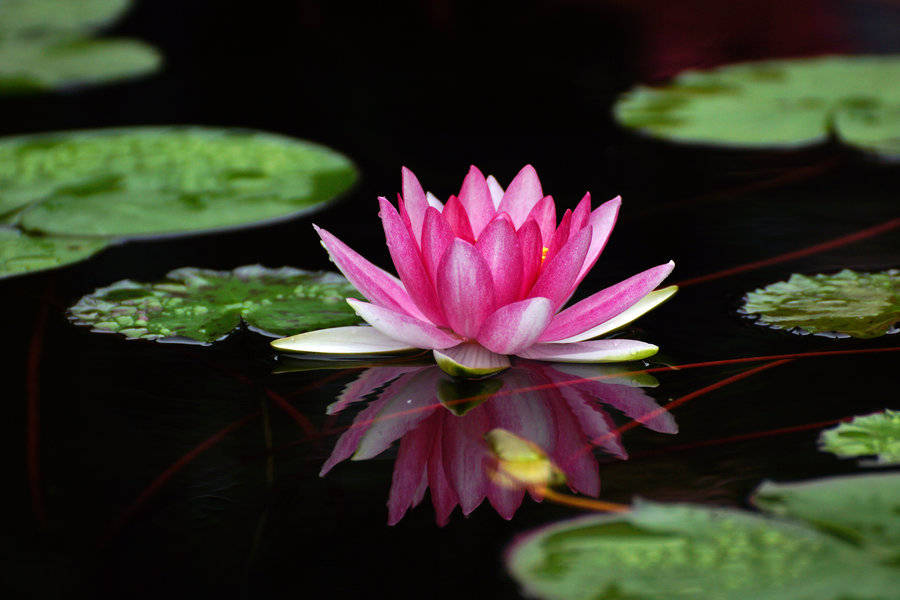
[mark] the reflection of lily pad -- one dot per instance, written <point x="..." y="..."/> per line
<point x="47" y="44"/>
<point x="204" y="306"/>
<point x="659" y="551"/>
<point x="848" y="303"/>
<point x="34" y="66"/>
<point x="863" y="509"/>
<point x="159" y="180"/>
<point x="776" y="103"/>
<point x="869" y="435"/>
<point x="22" y="253"/>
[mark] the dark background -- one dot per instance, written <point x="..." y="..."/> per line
<point x="433" y="86"/>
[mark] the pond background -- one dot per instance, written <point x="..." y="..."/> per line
<point x="436" y="87"/>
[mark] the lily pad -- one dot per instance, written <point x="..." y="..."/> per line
<point x="862" y="509"/>
<point x="680" y="551"/>
<point x="54" y="64"/>
<point x="148" y="181"/>
<point x="42" y="18"/>
<point x="875" y="435"/>
<point x="862" y="305"/>
<point x="776" y="104"/>
<point x="48" y="44"/>
<point x="199" y="305"/>
<point x="22" y="253"/>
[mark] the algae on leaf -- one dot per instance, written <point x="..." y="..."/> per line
<point x="147" y="181"/>
<point x="862" y="305"/>
<point x="776" y="104"/>
<point x="199" y="305"/>
<point x="21" y="253"/>
<point x="682" y="551"/>
<point x="875" y="435"/>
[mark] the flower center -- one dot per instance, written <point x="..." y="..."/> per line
<point x="544" y="254"/>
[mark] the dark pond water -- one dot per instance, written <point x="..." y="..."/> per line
<point x="139" y="470"/>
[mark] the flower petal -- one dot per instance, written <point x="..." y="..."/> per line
<point x="436" y="239"/>
<point x="615" y="350"/>
<point x="434" y="202"/>
<point x="544" y="214"/>
<point x="443" y="496"/>
<point x="521" y="195"/>
<point x="342" y="340"/>
<point x="516" y="326"/>
<point x="605" y="304"/>
<point x="414" y="201"/>
<point x="464" y="453"/>
<point x="465" y="288"/>
<point x="458" y="220"/>
<point x="376" y="284"/>
<point x="602" y="221"/>
<point x="403" y="328"/>
<point x="410" y="473"/>
<point x="470" y="360"/>
<point x="496" y="190"/>
<point x="476" y="199"/>
<point x="559" y="273"/>
<point x="532" y="254"/>
<point x="408" y="262"/>
<point x="582" y="213"/>
<point x="559" y="237"/>
<point x="645" y="304"/>
<point x="499" y="246"/>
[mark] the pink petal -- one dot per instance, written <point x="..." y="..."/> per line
<point x="499" y="245"/>
<point x="376" y="284"/>
<point x="349" y="440"/>
<point x="505" y="500"/>
<point x="582" y="213"/>
<point x="436" y="239"/>
<point x="443" y="496"/>
<point x="521" y="195"/>
<point x="615" y="350"/>
<point x="602" y="221"/>
<point x="414" y="202"/>
<point x="465" y="288"/>
<point x="409" y="330"/>
<point x="532" y="254"/>
<point x="516" y="326"/>
<point x="594" y="422"/>
<point x="636" y="405"/>
<point x="562" y="235"/>
<point x="410" y="473"/>
<point x="464" y="453"/>
<point x="544" y="214"/>
<point x="458" y="220"/>
<point x="476" y="199"/>
<point x="408" y="262"/>
<point x="434" y="202"/>
<point x="605" y="304"/>
<point x="571" y="456"/>
<point x="559" y="273"/>
<point x="496" y="191"/>
<point x="368" y="381"/>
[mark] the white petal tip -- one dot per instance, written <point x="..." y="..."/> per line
<point x="470" y="361"/>
<point x="353" y="340"/>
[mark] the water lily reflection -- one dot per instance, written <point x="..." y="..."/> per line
<point x="441" y="424"/>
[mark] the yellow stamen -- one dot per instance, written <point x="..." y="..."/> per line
<point x="544" y="254"/>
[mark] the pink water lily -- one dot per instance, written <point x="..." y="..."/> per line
<point x="485" y="276"/>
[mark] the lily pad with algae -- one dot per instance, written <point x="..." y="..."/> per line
<point x="149" y="181"/>
<point x="21" y="253"/>
<point x="199" y="305"/>
<point x="875" y="435"/>
<point x="682" y="551"/>
<point x="848" y="303"/>
<point x="29" y="19"/>
<point x="776" y="104"/>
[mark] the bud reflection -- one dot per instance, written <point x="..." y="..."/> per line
<point x="532" y="426"/>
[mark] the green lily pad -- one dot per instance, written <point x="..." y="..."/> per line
<point x="862" y="305"/>
<point x="679" y="551"/>
<point x="43" y="18"/>
<point x="149" y="181"/>
<point x="22" y="253"/>
<point x="199" y="305"/>
<point x="35" y="66"/>
<point x="48" y="44"/>
<point x="875" y="435"/>
<point x="862" y="509"/>
<point x="776" y="104"/>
